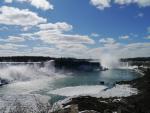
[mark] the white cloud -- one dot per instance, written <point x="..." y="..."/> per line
<point x="122" y="51"/>
<point x="42" y="4"/>
<point x="59" y="26"/>
<point x="124" y="37"/>
<point x="28" y="36"/>
<point x="10" y="46"/>
<point x="61" y="50"/>
<point x="26" y="28"/>
<point x="72" y="47"/>
<point x="101" y="4"/>
<point x="8" y="1"/>
<point x="140" y="15"/>
<point x="55" y="37"/>
<point x="135" y="50"/>
<point x="148" y="37"/>
<point x="54" y="33"/>
<point x="19" y="38"/>
<point x="148" y="29"/>
<point x="14" y="39"/>
<point x="15" y="52"/>
<point x="44" y="50"/>
<point x="15" y="16"/>
<point x="3" y="28"/>
<point x="95" y="35"/>
<point x="107" y="41"/>
<point x="134" y="35"/>
<point x="141" y="3"/>
<point x="122" y="2"/>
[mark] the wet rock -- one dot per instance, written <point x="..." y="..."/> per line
<point x="3" y="82"/>
<point x="68" y="109"/>
<point x="107" y="111"/>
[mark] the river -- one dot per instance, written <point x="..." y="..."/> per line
<point x="45" y="81"/>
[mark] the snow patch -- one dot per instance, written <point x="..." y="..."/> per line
<point x="78" y="90"/>
<point x="96" y="91"/>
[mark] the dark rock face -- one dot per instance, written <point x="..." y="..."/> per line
<point x="3" y="82"/>
<point x="77" y="64"/>
<point x="74" y="109"/>
<point x="93" y="103"/>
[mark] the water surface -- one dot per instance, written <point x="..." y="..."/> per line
<point x="34" y="79"/>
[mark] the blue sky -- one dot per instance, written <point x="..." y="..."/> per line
<point x="75" y="28"/>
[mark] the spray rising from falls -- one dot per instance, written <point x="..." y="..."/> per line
<point x="113" y="62"/>
<point x="109" y="61"/>
<point x="24" y="82"/>
<point x="16" y="72"/>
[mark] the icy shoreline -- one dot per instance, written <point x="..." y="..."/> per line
<point x="96" y="91"/>
<point x="139" y="103"/>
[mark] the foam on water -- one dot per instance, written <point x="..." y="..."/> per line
<point x="96" y="90"/>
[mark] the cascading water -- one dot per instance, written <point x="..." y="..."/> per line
<point x="13" y="72"/>
<point x="26" y="83"/>
<point x="27" y="77"/>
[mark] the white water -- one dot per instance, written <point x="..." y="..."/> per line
<point x="24" y="82"/>
<point x="26" y="78"/>
<point x="26" y="72"/>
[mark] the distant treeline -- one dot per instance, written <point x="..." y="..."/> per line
<point x="136" y="59"/>
<point x="25" y="59"/>
<point x="139" y="61"/>
<point x="61" y="63"/>
<point x="35" y="59"/>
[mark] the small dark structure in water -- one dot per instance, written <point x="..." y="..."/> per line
<point x="3" y="82"/>
<point x="102" y="82"/>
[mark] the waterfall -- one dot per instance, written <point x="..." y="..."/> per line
<point x="13" y="72"/>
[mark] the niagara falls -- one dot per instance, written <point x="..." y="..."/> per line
<point x="74" y="56"/>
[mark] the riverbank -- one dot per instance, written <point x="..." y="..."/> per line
<point x="139" y="103"/>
